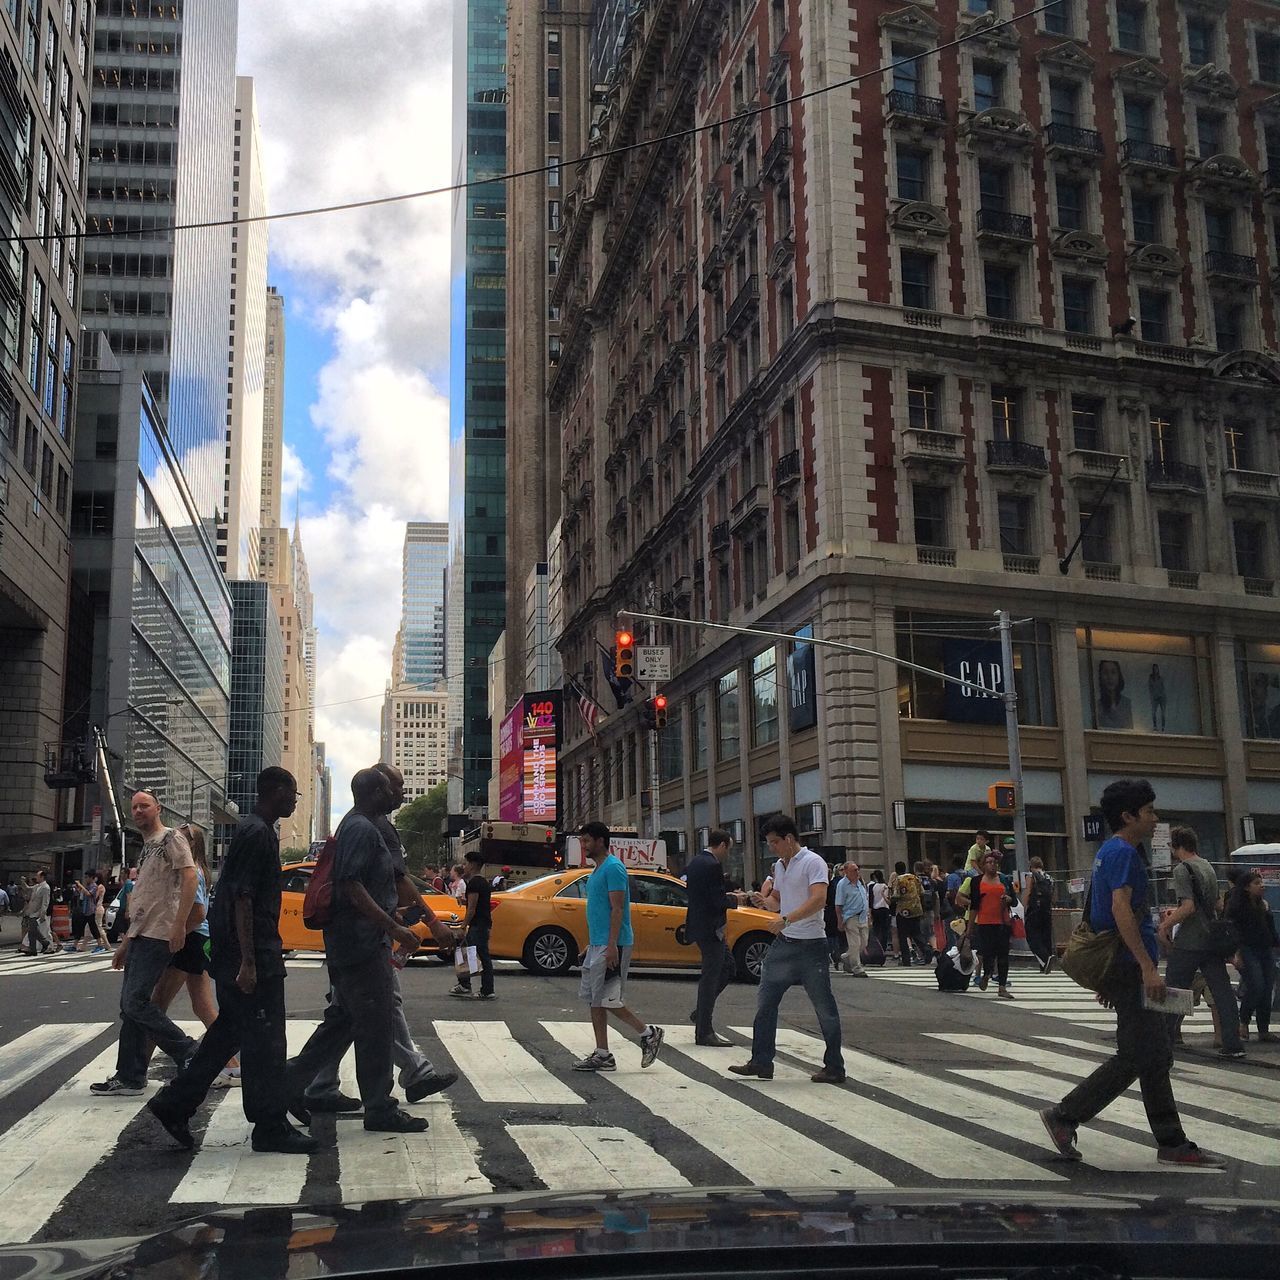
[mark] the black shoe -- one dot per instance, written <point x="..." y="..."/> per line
<point x="332" y="1104"/>
<point x="175" y="1128"/>
<point x="827" y="1076"/>
<point x="286" y="1141"/>
<point x="396" y="1121"/>
<point x="300" y="1110"/>
<point x="713" y="1041"/>
<point x="750" y="1069"/>
<point x="434" y="1083"/>
<point x="693" y="1016"/>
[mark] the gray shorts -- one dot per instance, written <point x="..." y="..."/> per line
<point x="593" y="988"/>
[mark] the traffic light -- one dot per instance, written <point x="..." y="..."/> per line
<point x="624" y="655"/>
<point x="660" y="711"/>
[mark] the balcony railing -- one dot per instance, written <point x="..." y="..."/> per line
<point x="1017" y="226"/>
<point x="938" y="557"/>
<point x="1259" y="586"/>
<point x="1020" y="563"/>
<point x="786" y="470"/>
<point x="1250" y="485"/>
<point x="932" y="448"/>
<point x="778" y="149"/>
<point x="720" y="535"/>
<point x="744" y="305"/>
<point x="1165" y="473"/>
<point x="1239" y="266"/>
<point x="1016" y="455"/>
<point x="1092" y="464"/>
<point x="1102" y="571"/>
<point x="676" y="427"/>
<point x="1152" y="154"/>
<point x="904" y="103"/>
<point x="1184" y="580"/>
<point x="1074" y="138"/>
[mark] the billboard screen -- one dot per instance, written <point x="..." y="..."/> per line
<point x="540" y="743"/>
<point x="510" y="786"/>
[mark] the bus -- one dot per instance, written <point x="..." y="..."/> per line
<point x="516" y="851"/>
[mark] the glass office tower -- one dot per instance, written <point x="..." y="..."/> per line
<point x="420" y="644"/>
<point x="257" y="689"/>
<point x="477" y="515"/>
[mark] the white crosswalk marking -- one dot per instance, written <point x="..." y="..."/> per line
<point x="570" y="1157"/>
<point x="498" y="1067"/>
<point x="30" y="1055"/>
<point x="760" y="1148"/>
<point x="60" y="964"/>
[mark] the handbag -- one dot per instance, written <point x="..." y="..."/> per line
<point x="1090" y="955"/>
<point x="1223" y="936"/>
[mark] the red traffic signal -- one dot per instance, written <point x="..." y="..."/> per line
<point x="624" y="655"/>
<point x="655" y="712"/>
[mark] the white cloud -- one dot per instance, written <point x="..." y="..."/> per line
<point x="354" y="101"/>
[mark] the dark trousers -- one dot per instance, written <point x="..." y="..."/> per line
<point x="1142" y="1054"/>
<point x="909" y="937"/>
<point x="253" y="1027"/>
<point x="119" y="928"/>
<point x="1040" y="937"/>
<point x="1181" y="971"/>
<point x="718" y="967"/>
<point x="792" y="964"/>
<point x="479" y="938"/>
<point x="1259" y="970"/>
<point x="364" y="1013"/>
<point x="79" y="922"/>
<point x="991" y="941"/>
<point x="141" y="1021"/>
<point x="881" y="924"/>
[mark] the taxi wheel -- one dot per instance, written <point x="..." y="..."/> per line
<point x="549" y="951"/>
<point x="749" y="955"/>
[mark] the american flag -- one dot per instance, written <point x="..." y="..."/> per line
<point x="587" y="707"/>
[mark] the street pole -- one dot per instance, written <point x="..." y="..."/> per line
<point x="1015" y="743"/>
<point x="655" y="798"/>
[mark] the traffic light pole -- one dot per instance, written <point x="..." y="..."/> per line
<point x="1015" y="743"/>
<point x="655" y="793"/>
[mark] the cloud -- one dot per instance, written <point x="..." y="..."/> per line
<point x="354" y="100"/>
<point x="294" y="478"/>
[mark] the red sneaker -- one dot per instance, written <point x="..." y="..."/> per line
<point x="1189" y="1156"/>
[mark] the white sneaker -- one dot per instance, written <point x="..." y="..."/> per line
<point x="227" y="1078"/>
<point x="596" y="1061"/>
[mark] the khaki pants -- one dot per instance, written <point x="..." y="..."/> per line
<point x="857" y="935"/>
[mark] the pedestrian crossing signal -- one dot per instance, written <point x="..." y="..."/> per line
<point x="624" y="655"/>
<point x="1000" y="797"/>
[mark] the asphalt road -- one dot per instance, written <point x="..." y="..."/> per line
<point x="942" y="1092"/>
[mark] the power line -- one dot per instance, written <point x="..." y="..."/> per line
<point x="746" y="113"/>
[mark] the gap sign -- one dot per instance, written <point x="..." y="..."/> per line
<point x="979" y="663"/>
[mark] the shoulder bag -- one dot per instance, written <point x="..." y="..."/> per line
<point x="1090" y="956"/>
<point x="1222" y="938"/>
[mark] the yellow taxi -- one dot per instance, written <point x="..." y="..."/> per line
<point x="543" y="924"/>
<point x="295" y="936"/>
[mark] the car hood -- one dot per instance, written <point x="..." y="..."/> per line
<point x="729" y="1229"/>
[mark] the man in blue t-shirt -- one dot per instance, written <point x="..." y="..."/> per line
<point x="608" y="954"/>
<point x="1119" y="902"/>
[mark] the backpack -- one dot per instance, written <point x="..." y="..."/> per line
<point x="906" y="896"/>
<point x="1041" y="892"/>
<point x="928" y="894"/>
<point x="873" y="952"/>
<point x="317" y="904"/>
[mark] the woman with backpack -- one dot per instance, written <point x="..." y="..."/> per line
<point x="1248" y="908"/>
<point x="992" y="896"/>
<point x="1037" y="902"/>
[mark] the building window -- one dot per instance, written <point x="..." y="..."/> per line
<point x="1064" y="102"/>
<point x="1250" y="538"/>
<point x="1228" y="324"/>
<point x="993" y="187"/>
<point x="923" y="402"/>
<point x="1000" y="283"/>
<point x="1131" y="25"/>
<point x="553" y="171"/>
<point x="1144" y="682"/>
<point x="786" y="310"/>
<point x="1146" y="210"/>
<point x="929" y="514"/>
<point x="908" y="69"/>
<point x="764" y="698"/>
<point x="1153" y="314"/>
<point x="913" y="173"/>
<point x="46" y="471"/>
<point x="1086" y="423"/>
<point x="1072" y="203"/>
<point x="30" y="448"/>
<point x="1174" y="536"/>
<point x="64" y="481"/>
<point x="988" y="86"/>
<point x="1014" y="514"/>
<point x="1237" y="438"/>
<point x="728" y="724"/>
<point x="553" y="82"/>
<point x="553" y="215"/>
<point x="1219" y="228"/>
<point x="553" y="41"/>
<point x="1077" y="304"/>
<point x="1095" y="535"/>
<point x="1268" y="50"/>
<point x="1138" y="115"/>
<point x="1006" y="413"/>
<point x="917" y="280"/>
<point x="1210" y="132"/>
<point x="1164" y="436"/>
<point x="1201" y="39"/>
<point x="1057" y="18"/>
<point x="791" y="534"/>
<point x="553" y="126"/>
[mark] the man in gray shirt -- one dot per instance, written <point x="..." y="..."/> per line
<point x="1196" y="887"/>
<point x="35" y="916"/>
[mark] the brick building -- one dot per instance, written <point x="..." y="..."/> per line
<point x="871" y="362"/>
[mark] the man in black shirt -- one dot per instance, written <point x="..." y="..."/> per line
<point x="475" y="929"/>
<point x="705" y="925"/>
<point x="248" y="970"/>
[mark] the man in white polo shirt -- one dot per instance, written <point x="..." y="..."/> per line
<point x="798" y="955"/>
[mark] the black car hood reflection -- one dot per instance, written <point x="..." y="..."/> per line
<point x="710" y="1231"/>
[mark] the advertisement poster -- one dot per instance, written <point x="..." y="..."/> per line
<point x="979" y="663"/>
<point x="510" y="743"/>
<point x="540" y="739"/>
<point x="802" y="684"/>
<point x="1139" y="692"/>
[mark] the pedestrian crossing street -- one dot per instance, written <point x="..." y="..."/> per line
<point x="521" y="1118"/>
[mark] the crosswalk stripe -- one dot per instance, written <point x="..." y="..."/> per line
<point x="937" y="1149"/>
<point x="1222" y="1101"/>
<point x="35" y="1052"/>
<point x="498" y="1067"/>
<point x="761" y="1149"/>
<point x="1017" y="1119"/>
<point x="1232" y="1077"/>
<point x="570" y="1157"/>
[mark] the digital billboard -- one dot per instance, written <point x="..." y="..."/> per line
<point x="510" y="748"/>
<point x="540" y="742"/>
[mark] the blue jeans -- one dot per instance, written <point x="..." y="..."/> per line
<point x="805" y="962"/>
<point x="140" y="1020"/>
<point x="1259" y="982"/>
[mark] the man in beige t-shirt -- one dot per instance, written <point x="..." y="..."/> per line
<point x="158" y="909"/>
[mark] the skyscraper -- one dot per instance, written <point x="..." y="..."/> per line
<point x="272" y="414"/>
<point x="477" y="554"/>
<point x="256" y="736"/>
<point x="43" y="114"/>
<point x="246" y="346"/>
<point x="419" y="651"/>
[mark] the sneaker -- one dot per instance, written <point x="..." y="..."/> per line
<point x="285" y="1141"/>
<point x="1189" y="1156"/>
<point x="116" y="1088"/>
<point x="983" y="983"/>
<point x="1232" y="1055"/>
<point x="1061" y="1134"/>
<point x="1266" y="1037"/>
<point x="1005" y="994"/>
<point x="436" y="1082"/>
<point x="597" y="1060"/>
<point x="97" y="951"/>
<point x="460" y="991"/>
<point x="650" y="1044"/>
<point x="334" y="1104"/>
<point x="487" y="995"/>
<point x="395" y="1121"/>
<point x="173" y="1126"/>
<point x="227" y="1078"/>
<point x="1049" y="964"/>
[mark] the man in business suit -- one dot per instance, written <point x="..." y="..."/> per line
<point x="704" y="925"/>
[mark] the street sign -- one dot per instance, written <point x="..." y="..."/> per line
<point x="1161" y="847"/>
<point x="1091" y="828"/>
<point x="653" y="662"/>
<point x="1075" y="885"/>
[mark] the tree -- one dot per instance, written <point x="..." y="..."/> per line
<point x="419" y="824"/>
<point x="290" y="856"/>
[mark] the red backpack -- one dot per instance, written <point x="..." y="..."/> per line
<point x="317" y="905"/>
